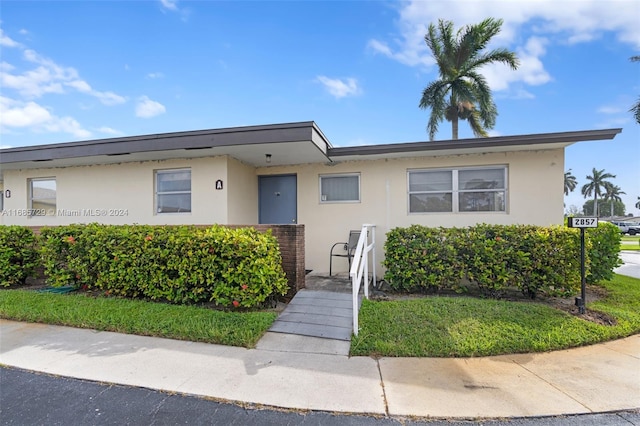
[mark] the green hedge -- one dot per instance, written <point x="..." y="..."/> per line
<point x="179" y="264"/>
<point x="604" y="251"/>
<point x="18" y="255"/>
<point x="535" y="260"/>
<point x="420" y="259"/>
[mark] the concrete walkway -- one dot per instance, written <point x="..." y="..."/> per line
<point x="592" y="379"/>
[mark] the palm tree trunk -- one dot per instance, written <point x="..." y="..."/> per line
<point x="454" y="128"/>
<point x="595" y="205"/>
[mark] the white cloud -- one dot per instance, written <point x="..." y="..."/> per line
<point x="106" y="98"/>
<point x="33" y="78"/>
<point x="67" y="125"/>
<point x="7" y="41"/>
<point x="522" y="94"/>
<point x="172" y="6"/>
<point x="154" y="75"/>
<point x="109" y="98"/>
<point x="610" y="110"/>
<point x="531" y="70"/>
<point x="49" y="77"/>
<point x="544" y="21"/>
<point x="30" y="84"/>
<point x="18" y="114"/>
<point x="340" y="88"/>
<point x="614" y="122"/>
<point x="109" y="131"/>
<point x="146" y="108"/>
<point x="169" y="4"/>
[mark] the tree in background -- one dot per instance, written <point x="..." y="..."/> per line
<point x="570" y="182"/>
<point x="619" y="209"/>
<point x="612" y="193"/>
<point x="597" y="182"/>
<point x="461" y="92"/>
<point x="638" y="203"/>
<point x="635" y="109"/>
<point x="573" y="211"/>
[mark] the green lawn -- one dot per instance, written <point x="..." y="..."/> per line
<point x="630" y="243"/>
<point x="464" y="326"/>
<point x="430" y="326"/>
<point x="136" y="317"/>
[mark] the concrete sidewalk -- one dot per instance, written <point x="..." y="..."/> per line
<point x="592" y="379"/>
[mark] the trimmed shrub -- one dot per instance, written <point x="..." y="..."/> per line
<point x="18" y="255"/>
<point x="61" y="255"/>
<point x="421" y="259"/>
<point x="603" y="252"/>
<point x="494" y="257"/>
<point x="179" y="264"/>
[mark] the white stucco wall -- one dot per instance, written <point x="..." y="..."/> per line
<point x="242" y="193"/>
<point x="535" y="196"/>
<point x="125" y="191"/>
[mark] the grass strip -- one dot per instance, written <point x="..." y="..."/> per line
<point x="137" y="317"/>
<point x="464" y="326"/>
<point x="630" y="243"/>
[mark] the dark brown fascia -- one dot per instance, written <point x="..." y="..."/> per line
<point x="498" y="141"/>
<point x="200" y="139"/>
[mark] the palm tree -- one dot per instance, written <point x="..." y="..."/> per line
<point x="635" y="109"/>
<point x="570" y="182"/>
<point x="597" y="182"/>
<point x="612" y="193"/>
<point x="462" y="92"/>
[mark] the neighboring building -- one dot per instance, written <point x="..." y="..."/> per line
<point x="289" y="174"/>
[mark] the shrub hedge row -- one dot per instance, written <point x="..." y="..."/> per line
<point x="179" y="264"/>
<point x="242" y="267"/>
<point x="535" y="260"/>
<point x="18" y="255"/>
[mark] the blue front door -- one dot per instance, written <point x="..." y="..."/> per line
<point x="278" y="201"/>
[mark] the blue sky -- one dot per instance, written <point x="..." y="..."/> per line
<point x="76" y="70"/>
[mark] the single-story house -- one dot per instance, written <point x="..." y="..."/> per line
<point x="289" y="174"/>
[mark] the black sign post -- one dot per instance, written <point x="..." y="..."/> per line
<point x="582" y="223"/>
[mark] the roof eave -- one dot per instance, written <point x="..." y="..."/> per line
<point x="453" y="146"/>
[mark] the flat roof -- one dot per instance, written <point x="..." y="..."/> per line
<point x="472" y="145"/>
<point x="286" y="144"/>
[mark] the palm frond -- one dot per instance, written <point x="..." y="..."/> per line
<point x="635" y="109"/>
<point x="459" y="57"/>
<point x="502" y="56"/>
<point x="477" y="128"/>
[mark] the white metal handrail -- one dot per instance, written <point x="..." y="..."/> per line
<point x="359" y="271"/>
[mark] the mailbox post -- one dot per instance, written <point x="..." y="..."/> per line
<point x="582" y="223"/>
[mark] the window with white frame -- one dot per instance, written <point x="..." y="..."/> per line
<point x="42" y="196"/>
<point x="173" y="191"/>
<point x="340" y="188"/>
<point x="458" y="190"/>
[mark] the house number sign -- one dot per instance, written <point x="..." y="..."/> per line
<point x="582" y="223"/>
<point x="219" y="184"/>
